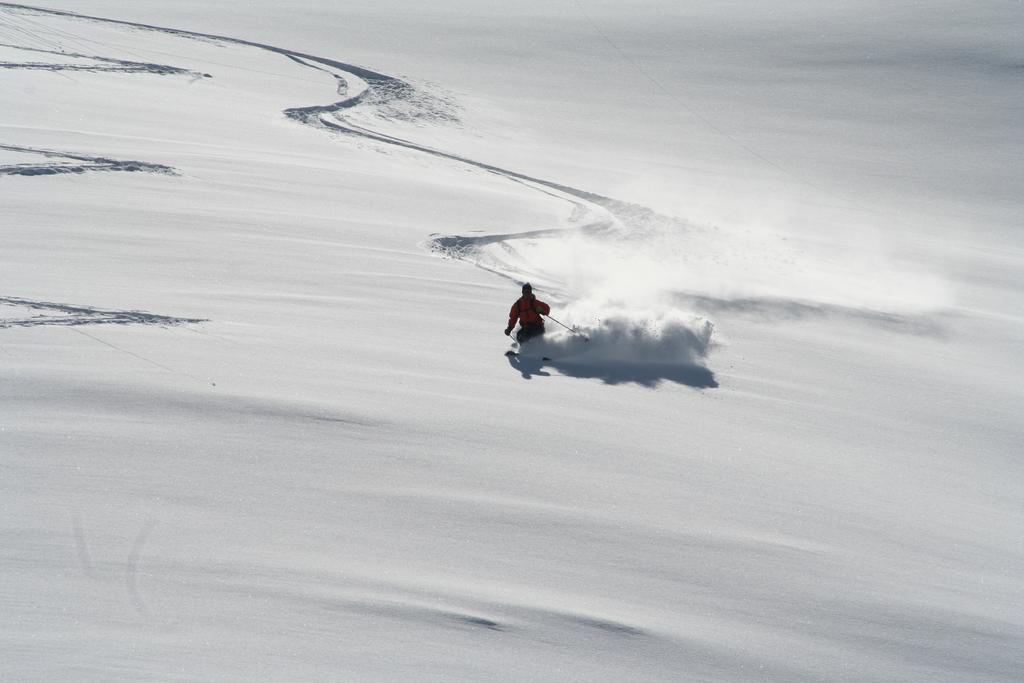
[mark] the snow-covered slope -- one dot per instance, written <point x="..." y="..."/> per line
<point x="255" y="420"/>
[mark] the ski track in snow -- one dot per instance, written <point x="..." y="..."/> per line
<point x="69" y="315"/>
<point x="392" y="99"/>
<point x="705" y="638"/>
<point x="594" y="217"/>
<point x="75" y="163"/>
<point x="93" y="63"/>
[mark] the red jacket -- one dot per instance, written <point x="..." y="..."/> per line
<point x="528" y="311"/>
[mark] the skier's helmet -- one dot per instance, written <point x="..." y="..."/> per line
<point x="527" y="288"/>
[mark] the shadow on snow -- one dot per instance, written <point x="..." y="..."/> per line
<point x="611" y="372"/>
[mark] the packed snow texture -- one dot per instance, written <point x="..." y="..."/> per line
<point x="253" y="426"/>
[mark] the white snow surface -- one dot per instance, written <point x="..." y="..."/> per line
<point x="255" y="420"/>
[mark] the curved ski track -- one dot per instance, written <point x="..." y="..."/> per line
<point x="381" y="91"/>
<point x="394" y="98"/>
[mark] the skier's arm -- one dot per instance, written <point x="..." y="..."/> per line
<point x="513" y="315"/>
<point x="543" y="308"/>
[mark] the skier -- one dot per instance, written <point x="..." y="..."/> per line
<point x="527" y="310"/>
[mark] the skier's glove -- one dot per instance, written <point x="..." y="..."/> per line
<point x="508" y="331"/>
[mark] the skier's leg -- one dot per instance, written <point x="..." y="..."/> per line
<point x="528" y="333"/>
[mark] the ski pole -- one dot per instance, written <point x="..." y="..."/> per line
<point x="571" y="329"/>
